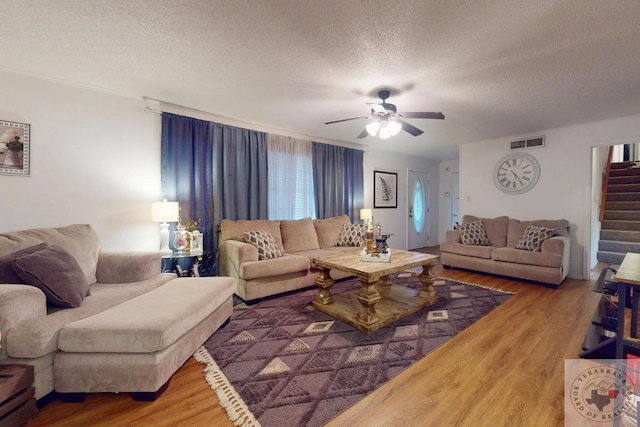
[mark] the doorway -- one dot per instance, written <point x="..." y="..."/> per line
<point x="418" y="210"/>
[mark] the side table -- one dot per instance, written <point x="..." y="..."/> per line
<point x="17" y="395"/>
<point x="198" y="263"/>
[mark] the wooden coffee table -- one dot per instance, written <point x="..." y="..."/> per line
<point x="378" y="302"/>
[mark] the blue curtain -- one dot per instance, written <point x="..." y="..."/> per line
<point x="187" y="170"/>
<point x="240" y="181"/>
<point x="214" y="171"/>
<point x="338" y="180"/>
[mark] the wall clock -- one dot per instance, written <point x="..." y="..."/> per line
<point x="516" y="173"/>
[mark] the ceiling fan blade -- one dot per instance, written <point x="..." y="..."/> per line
<point x="423" y="115"/>
<point x="346" y="120"/>
<point x="410" y="128"/>
<point x="363" y="134"/>
<point x="378" y="108"/>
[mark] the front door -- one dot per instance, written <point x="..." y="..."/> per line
<point x="418" y="210"/>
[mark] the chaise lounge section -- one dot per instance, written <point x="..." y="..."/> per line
<point x="132" y="331"/>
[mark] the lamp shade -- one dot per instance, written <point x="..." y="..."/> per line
<point x="372" y="127"/>
<point x="365" y="214"/>
<point x="165" y="211"/>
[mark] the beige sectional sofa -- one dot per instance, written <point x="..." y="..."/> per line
<point x="136" y="327"/>
<point x="548" y="265"/>
<point x="301" y="240"/>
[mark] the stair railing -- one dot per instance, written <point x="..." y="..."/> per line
<point x="605" y="182"/>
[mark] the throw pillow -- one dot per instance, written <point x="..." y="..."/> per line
<point x="7" y="273"/>
<point x="352" y="235"/>
<point x="56" y="273"/>
<point x="474" y="233"/>
<point x="533" y="237"/>
<point x="264" y="242"/>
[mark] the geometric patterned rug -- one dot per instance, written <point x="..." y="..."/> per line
<point x="280" y="362"/>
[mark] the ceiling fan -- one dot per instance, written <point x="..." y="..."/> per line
<point x="385" y="121"/>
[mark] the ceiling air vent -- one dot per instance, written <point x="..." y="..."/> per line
<point x="538" y="141"/>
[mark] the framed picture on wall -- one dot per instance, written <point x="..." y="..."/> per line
<point x="385" y="189"/>
<point x="14" y="148"/>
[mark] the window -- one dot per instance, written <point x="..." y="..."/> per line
<point x="418" y="207"/>
<point x="290" y="178"/>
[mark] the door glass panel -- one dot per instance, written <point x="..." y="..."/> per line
<point x="418" y="207"/>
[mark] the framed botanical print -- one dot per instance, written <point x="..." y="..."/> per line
<point x="385" y="189"/>
<point x="15" y="146"/>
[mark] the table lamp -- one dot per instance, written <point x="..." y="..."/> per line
<point x="366" y="215"/>
<point x="165" y="212"/>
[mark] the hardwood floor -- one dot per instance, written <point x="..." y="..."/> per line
<point x="504" y="370"/>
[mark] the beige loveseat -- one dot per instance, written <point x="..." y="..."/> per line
<point x="548" y="265"/>
<point x="136" y="327"/>
<point x="301" y="240"/>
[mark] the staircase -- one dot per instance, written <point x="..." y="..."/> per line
<point x="620" y="227"/>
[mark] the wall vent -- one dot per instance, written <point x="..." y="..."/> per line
<point x="538" y="141"/>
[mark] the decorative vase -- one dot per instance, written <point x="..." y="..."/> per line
<point x="179" y="239"/>
<point x="13" y="159"/>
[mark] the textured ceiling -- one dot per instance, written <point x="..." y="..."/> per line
<point x="494" y="68"/>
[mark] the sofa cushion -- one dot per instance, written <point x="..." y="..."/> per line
<point x="7" y="273"/>
<point x="328" y="230"/>
<point x="298" y="235"/>
<point x="516" y="228"/>
<point x="234" y="229"/>
<point x="284" y="265"/>
<point x="496" y="228"/>
<point x="352" y="235"/>
<point x="263" y="241"/>
<point x="150" y="322"/>
<point x="533" y="238"/>
<point x="473" y="233"/>
<point x="15" y="241"/>
<point x="56" y="273"/>
<point x="518" y="256"/>
<point x="80" y="240"/>
<point x="467" y="250"/>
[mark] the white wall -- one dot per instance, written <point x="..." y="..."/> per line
<point x="599" y="164"/>
<point x="445" y="200"/>
<point x="396" y="221"/>
<point x="564" y="188"/>
<point x="95" y="158"/>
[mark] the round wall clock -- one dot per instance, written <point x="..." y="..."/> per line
<point x="516" y="173"/>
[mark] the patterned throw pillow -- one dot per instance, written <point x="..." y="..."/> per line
<point x="263" y="241"/>
<point x="473" y="233"/>
<point x="533" y="238"/>
<point x="352" y="235"/>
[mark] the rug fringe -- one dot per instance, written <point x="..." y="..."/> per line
<point x="237" y="410"/>
<point x="477" y="285"/>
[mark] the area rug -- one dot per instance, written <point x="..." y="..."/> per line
<point x="281" y="363"/>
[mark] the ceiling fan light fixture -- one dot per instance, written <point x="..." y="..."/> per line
<point x="394" y="127"/>
<point x="385" y="132"/>
<point x="373" y="127"/>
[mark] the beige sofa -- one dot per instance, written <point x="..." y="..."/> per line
<point x="130" y="334"/>
<point x="549" y="265"/>
<point x="302" y="240"/>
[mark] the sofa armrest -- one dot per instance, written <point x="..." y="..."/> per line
<point x="556" y="245"/>
<point x="19" y="303"/>
<point x="453" y="236"/>
<point x="232" y="254"/>
<point x="127" y="267"/>
<point x="560" y="245"/>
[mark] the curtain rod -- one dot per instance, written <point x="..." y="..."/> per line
<point x="169" y="107"/>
